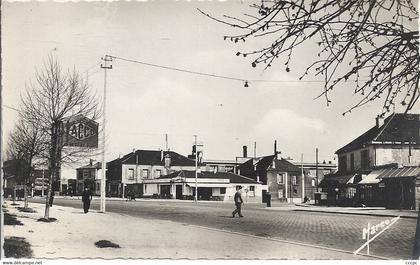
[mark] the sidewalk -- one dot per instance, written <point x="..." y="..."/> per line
<point x="74" y="234"/>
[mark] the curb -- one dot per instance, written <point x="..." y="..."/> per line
<point x="356" y="213"/>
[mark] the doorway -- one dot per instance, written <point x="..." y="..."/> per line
<point x="178" y="191"/>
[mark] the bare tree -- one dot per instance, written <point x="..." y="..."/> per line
<point x="58" y="95"/>
<point x="371" y="42"/>
<point x="27" y="143"/>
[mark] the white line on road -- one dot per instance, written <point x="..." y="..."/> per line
<point x="288" y="242"/>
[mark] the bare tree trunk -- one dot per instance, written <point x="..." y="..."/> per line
<point x="25" y="206"/>
<point x="53" y="167"/>
<point x="14" y="194"/>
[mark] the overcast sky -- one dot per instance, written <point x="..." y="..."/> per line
<point x="144" y="102"/>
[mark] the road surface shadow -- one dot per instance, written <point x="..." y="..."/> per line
<point x="226" y="216"/>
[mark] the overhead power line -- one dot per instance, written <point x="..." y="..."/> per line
<point x="211" y="75"/>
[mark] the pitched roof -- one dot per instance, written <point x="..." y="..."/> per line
<point x="264" y="163"/>
<point x="233" y="178"/>
<point x="153" y="157"/>
<point x="97" y="165"/>
<point x="285" y="165"/>
<point x="398" y="127"/>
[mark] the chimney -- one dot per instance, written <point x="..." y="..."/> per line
<point x="379" y="121"/>
<point x="167" y="161"/>
<point x="275" y="149"/>
<point x="245" y="151"/>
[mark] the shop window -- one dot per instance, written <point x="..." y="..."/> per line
<point x="223" y="190"/>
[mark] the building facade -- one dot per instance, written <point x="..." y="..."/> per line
<point x="130" y="171"/>
<point x="280" y="178"/>
<point x="394" y="140"/>
<point x="216" y="186"/>
<point x="86" y="176"/>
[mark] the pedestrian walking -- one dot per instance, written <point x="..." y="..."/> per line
<point x="238" y="202"/>
<point x="132" y="196"/>
<point x="86" y="198"/>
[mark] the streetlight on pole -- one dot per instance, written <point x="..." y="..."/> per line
<point x="106" y="59"/>
<point x="303" y="180"/>
<point x="196" y="164"/>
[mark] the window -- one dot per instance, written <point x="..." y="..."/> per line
<point x="223" y="190"/>
<point x="364" y="156"/>
<point x="280" y="179"/>
<point x="80" y="175"/>
<point x="342" y="163"/>
<point x="294" y="180"/>
<point x="251" y="191"/>
<point x="313" y="183"/>
<point x="351" y="162"/>
<point x="130" y="174"/>
<point x="351" y="191"/>
<point x="86" y="174"/>
<point x="145" y="174"/>
<point x="158" y="173"/>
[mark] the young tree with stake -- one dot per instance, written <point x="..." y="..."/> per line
<point x="58" y="95"/>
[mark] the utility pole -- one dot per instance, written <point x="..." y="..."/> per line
<point x="166" y="141"/>
<point x="255" y="149"/>
<point x="42" y="191"/>
<point x="316" y="168"/>
<point x="303" y="180"/>
<point x="105" y="66"/>
<point x="196" y="158"/>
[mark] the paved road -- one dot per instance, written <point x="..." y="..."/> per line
<point x="340" y="231"/>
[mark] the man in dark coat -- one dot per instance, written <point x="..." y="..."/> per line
<point x="238" y="202"/>
<point x="86" y="198"/>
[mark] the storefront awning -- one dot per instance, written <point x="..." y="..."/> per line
<point x="372" y="177"/>
<point x="408" y="171"/>
<point x="209" y="185"/>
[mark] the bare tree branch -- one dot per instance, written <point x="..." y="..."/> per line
<point x="374" y="42"/>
